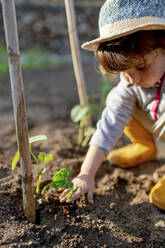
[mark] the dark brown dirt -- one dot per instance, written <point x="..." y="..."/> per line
<point x="121" y="216"/>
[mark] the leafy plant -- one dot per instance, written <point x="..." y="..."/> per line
<point x="79" y="114"/>
<point x="31" y="140"/>
<point x="60" y="177"/>
<point x="45" y="158"/>
<point x="59" y="180"/>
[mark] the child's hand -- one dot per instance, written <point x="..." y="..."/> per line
<point x="85" y="184"/>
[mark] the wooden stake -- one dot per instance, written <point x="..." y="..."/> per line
<point x="70" y="13"/>
<point x="9" y="16"/>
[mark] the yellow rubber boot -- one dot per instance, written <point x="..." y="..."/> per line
<point x="157" y="194"/>
<point x="143" y="148"/>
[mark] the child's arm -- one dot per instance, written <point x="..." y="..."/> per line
<point x="121" y="102"/>
<point x="85" y="180"/>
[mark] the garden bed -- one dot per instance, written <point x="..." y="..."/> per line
<point x="121" y="216"/>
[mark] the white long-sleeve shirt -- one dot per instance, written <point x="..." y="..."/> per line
<point x="120" y="105"/>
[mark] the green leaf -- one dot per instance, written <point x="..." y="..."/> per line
<point x="45" y="157"/>
<point x="57" y="185"/>
<point x="67" y="185"/>
<point x="61" y="175"/>
<point x="31" y="140"/>
<point x="15" y="160"/>
<point x="62" y="185"/>
<point x="37" y="138"/>
<point x="79" y="112"/>
<point x="60" y="179"/>
<point x="42" y="171"/>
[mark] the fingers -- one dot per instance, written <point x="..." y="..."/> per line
<point x="82" y="185"/>
<point x="60" y="190"/>
<point x="90" y="197"/>
<point x="63" y="195"/>
<point x="75" y="196"/>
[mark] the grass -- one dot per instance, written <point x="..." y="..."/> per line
<point x="36" y="58"/>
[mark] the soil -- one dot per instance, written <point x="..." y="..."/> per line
<point x="121" y="216"/>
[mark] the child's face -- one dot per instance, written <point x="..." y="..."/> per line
<point x="146" y="75"/>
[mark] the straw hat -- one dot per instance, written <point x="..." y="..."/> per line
<point x="122" y="17"/>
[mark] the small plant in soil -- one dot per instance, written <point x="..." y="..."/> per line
<point x="60" y="181"/>
<point x="41" y="167"/>
<point x="79" y="113"/>
<point x="60" y="178"/>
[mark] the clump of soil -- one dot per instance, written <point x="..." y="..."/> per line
<point x="121" y="216"/>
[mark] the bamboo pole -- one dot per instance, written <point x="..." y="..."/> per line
<point x="70" y="13"/>
<point x="10" y="24"/>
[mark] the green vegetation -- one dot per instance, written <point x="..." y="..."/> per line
<point x="43" y="157"/>
<point x="41" y="167"/>
<point x="79" y="114"/>
<point x="36" y="58"/>
<point x="60" y="177"/>
<point x="3" y="60"/>
<point x="60" y="180"/>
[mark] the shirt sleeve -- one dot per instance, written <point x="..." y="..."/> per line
<point x="120" y="104"/>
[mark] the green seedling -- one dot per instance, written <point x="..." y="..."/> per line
<point x="60" y="177"/>
<point x="31" y="140"/>
<point x="43" y="157"/>
<point x="60" y="181"/>
<point x="79" y="114"/>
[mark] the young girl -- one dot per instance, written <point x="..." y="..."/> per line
<point x="132" y="42"/>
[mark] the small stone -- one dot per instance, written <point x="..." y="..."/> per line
<point x="112" y="205"/>
<point x="93" y="222"/>
<point x="160" y="223"/>
<point x="40" y="201"/>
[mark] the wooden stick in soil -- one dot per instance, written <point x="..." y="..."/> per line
<point x="70" y="13"/>
<point x="9" y="17"/>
